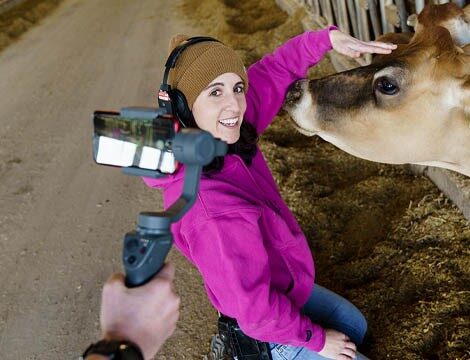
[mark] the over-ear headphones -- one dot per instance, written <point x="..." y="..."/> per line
<point x="173" y="100"/>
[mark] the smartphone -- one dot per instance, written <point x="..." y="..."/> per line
<point x="135" y="137"/>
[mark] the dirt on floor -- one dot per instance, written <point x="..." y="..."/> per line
<point x="20" y="18"/>
<point x="384" y="238"/>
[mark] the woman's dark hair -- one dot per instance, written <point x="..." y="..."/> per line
<point x="245" y="147"/>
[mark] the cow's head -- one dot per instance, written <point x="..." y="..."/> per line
<point x="411" y="106"/>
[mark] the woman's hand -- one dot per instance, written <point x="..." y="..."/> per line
<point x="338" y="346"/>
<point x="350" y="46"/>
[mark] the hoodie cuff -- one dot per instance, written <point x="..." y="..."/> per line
<point x="318" y="42"/>
<point x="328" y="29"/>
<point x="317" y="339"/>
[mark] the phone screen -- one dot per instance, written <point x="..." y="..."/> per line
<point x="141" y="142"/>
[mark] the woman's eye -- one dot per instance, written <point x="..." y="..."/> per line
<point x="386" y="86"/>
<point x="215" y="92"/>
<point x="239" y="89"/>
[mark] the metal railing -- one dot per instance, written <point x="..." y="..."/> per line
<point x="367" y="19"/>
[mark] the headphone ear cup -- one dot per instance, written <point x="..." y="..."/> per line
<point x="182" y="110"/>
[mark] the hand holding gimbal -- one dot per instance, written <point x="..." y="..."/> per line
<point x="147" y="142"/>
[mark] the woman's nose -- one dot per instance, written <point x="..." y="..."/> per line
<point x="232" y="103"/>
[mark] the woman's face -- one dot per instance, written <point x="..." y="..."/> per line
<point x="220" y="107"/>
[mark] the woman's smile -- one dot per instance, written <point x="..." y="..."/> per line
<point x="229" y="122"/>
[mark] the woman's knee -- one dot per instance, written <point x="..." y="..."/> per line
<point x="351" y="321"/>
<point x="334" y="311"/>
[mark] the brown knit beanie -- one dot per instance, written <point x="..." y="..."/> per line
<point x="201" y="63"/>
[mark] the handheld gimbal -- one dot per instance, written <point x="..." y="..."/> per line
<point x="145" y="249"/>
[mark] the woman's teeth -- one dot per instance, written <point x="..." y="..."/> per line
<point x="229" y="122"/>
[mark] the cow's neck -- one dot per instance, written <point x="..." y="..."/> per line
<point x="457" y="146"/>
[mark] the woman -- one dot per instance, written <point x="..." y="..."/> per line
<point x="252" y="254"/>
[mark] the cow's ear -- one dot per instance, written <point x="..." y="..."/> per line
<point x="438" y="38"/>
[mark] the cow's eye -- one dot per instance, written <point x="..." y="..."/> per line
<point x="386" y="86"/>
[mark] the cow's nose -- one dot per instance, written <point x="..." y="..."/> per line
<point x="294" y="94"/>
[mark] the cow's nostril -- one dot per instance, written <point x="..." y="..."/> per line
<point x="294" y="94"/>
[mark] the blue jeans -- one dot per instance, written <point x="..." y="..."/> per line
<point x="331" y="311"/>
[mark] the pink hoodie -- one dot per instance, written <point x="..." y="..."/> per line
<point x="253" y="256"/>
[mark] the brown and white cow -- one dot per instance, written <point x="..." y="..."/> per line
<point x="411" y="106"/>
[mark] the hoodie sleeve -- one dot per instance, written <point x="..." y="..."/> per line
<point x="230" y="254"/>
<point x="270" y="77"/>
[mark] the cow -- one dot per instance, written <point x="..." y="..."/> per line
<point x="410" y="106"/>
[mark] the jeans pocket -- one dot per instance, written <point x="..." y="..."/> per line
<point x="284" y="352"/>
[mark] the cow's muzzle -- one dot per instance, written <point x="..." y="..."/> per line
<point x="294" y="94"/>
